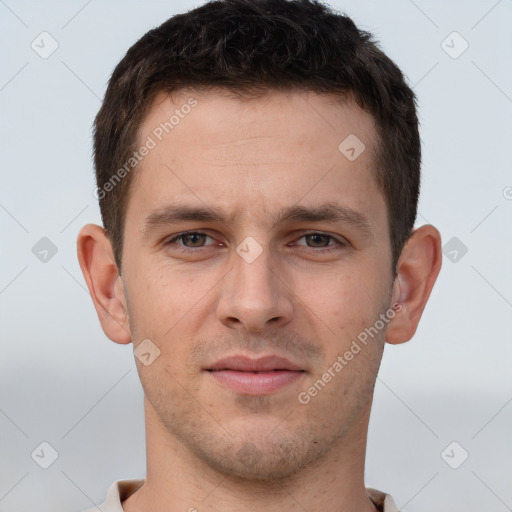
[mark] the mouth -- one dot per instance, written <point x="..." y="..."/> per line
<point x="260" y="376"/>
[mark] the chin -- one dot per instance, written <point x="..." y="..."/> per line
<point x="266" y="469"/>
<point x="268" y="458"/>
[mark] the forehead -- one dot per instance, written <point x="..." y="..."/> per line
<point x="219" y="117"/>
<point x="268" y="151"/>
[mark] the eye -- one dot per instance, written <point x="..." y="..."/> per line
<point x="190" y="239"/>
<point x="321" y="241"/>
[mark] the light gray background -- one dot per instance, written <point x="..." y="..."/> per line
<point x="62" y="381"/>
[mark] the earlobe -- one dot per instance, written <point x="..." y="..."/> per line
<point x="418" y="268"/>
<point x="100" y="271"/>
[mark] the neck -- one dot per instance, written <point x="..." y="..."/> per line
<point x="177" y="480"/>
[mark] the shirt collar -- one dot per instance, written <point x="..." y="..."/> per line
<point x="121" y="490"/>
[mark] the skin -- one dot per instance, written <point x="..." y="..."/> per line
<point x="250" y="159"/>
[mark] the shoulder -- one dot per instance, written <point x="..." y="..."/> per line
<point x="384" y="502"/>
<point x="116" y="494"/>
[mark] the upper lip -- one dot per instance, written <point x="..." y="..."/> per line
<point x="260" y="364"/>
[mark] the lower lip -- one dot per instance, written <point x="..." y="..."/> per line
<point x="250" y="383"/>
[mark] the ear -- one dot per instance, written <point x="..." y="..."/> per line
<point x="417" y="271"/>
<point x="101" y="274"/>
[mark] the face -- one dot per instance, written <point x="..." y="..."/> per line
<point x="255" y="255"/>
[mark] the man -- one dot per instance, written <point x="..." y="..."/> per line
<point x="258" y="171"/>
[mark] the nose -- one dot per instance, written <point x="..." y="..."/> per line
<point x="255" y="294"/>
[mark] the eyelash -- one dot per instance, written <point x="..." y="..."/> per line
<point x="318" y="250"/>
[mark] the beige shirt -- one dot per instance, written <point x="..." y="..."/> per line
<point x="120" y="490"/>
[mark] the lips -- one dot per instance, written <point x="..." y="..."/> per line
<point x="260" y="376"/>
<point x="262" y="364"/>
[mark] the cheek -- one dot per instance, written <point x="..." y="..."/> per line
<point x="152" y="305"/>
<point x="340" y="297"/>
<point x="170" y="309"/>
<point x="162" y="294"/>
<point x="343" y="304"/>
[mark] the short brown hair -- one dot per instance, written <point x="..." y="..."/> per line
<point x="251" y="47"/>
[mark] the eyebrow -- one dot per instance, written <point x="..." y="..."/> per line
<point x="328" y="212"/>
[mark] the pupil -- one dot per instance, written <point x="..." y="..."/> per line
<point x="194" y="238"/>
<point x="316" y="238"/>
